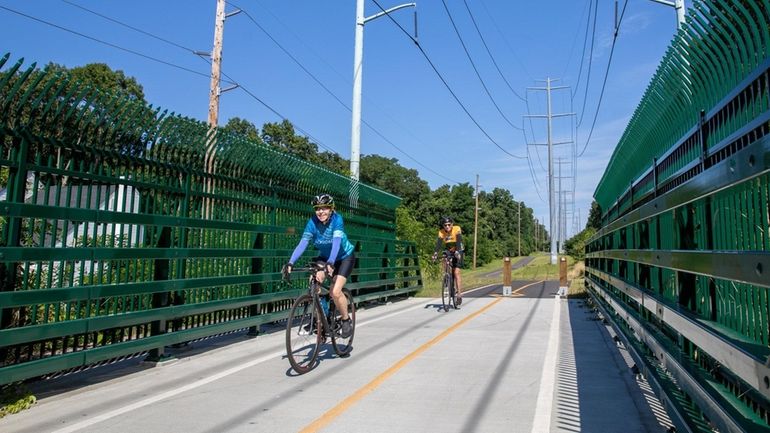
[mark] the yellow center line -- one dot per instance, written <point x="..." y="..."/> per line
<point x="362" y="392"/>
<point x="527" y="285"/>
<point x="515" y="293"/>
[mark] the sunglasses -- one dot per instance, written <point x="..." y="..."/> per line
<point x="448" y="225"/>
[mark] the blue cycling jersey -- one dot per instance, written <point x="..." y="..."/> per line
<point x="322" y="237"/>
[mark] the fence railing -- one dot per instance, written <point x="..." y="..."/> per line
<point x="124" y="228"/>
<point x="682" y="263"/>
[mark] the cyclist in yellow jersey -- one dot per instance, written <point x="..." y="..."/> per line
<point x="450" y="237"/>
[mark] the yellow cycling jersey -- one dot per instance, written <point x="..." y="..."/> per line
<point x="449" y="238"/>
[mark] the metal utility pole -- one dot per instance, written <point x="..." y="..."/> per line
<point x="676" y="4"/>
<point x="558" y="218"/>
<point x="549" y="116"/>
<point x="562" y="206"/>
<point x="519" y="230"/>
<point x="550" y="175"/>
<point x="358" y="56"/>
<point x="476" y="222"/>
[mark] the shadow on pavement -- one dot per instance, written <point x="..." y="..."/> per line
<point x="596" y="390"/>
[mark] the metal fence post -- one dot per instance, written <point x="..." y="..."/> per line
<point x="17" y="184"/>
<point x="160" y="300"/>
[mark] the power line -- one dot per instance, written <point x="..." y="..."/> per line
<point x="473" y="64"/>
<point x="533" y="176"/>
<point x="583" y="53"/>
<point x="502" y="35"/>
<point x="590" y="62"/>
<point x="307" y="71"/>
<point x="392" y="119"/>
<point x="490" y="52"/>
<point x="294" y="59"/>
<point x="109" y="44"/>
<point x="128" y="26"/>
<point x="251" y="94"/>
<point x="229" y="79"/>
<point x="449" y="88"/>
<point x="606" y="74"/>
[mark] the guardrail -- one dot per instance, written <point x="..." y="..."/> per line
<point x="124" y="228"/>
<point x="681" y="265"/>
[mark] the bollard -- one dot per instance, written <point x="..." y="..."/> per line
<point x="507" y="276"/>
<point x="563" y="276"/>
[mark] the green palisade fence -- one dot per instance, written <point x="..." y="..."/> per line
<point x="682" y="263"/>
<point x="125" y="228"/>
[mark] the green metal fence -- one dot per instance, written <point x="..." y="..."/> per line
<point x="125" y="228"/>
<point x="682" y="263"/>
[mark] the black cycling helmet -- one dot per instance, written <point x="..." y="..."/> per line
<point x="323" y="200"/>
<point x="444" y="220"/>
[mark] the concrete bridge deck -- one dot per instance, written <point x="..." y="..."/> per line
<point x="527" y="363"/>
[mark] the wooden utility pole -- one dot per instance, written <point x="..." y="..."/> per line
<point x="216" y="63"/>
<point x="213" y="120"/>
<point x="476" y="222"/>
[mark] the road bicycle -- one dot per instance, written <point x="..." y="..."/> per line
<point x="312" y="319"/>
<point x="448" y="290"/>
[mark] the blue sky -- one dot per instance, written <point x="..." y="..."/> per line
<point x="404" y="99"/>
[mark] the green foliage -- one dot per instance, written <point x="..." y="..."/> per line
<point x="595" y="216"/>
<point x="576" y="245"/>
<point x="15" y="398"/>
<point x="102" y="77"/>
<point x="410" y="229"/>
<point x="506" y="227"/>
<point x="243" y="127"/>
<point x="539" y="269"/>
<point x="388" y="175"/>
<point x="281" y="136"/>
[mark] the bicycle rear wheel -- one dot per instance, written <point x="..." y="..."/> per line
<point x="446" y="285"/>
<point x="303" y="341"/>
<point x="343" y="346"/>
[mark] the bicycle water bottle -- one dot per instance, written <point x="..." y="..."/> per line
<point x="325" y="305"/>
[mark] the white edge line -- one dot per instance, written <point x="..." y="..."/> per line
<point x="162" y="396"/>
<point x="142" y="403"/>
<point x="544" y="408"/>
<point x="147" y="401"/>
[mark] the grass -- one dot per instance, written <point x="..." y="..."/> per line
<point x="470" y="278"/>
<point x="577" y="288"/>
<point x="538" y="269"/>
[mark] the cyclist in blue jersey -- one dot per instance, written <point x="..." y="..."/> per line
<point x="326" y="231"/>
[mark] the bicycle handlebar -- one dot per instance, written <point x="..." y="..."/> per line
<point x="312" y="267"/>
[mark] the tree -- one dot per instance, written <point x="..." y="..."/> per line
<point x="243" y="127"/>
<point x="334" y="162"/>
<point x="595" y="216"/>
<point x="102" y="77"/>
<point x="576" y="245"/>
<point x="388" y="175"/>
<point x="281" y="136"/>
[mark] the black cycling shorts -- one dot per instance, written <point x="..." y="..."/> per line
<point x="343" y="267"/>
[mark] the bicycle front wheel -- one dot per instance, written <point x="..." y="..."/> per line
<point x="303" y="341"/>
<point x="446" y="287"/>
<point x="343" y="346"/>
